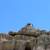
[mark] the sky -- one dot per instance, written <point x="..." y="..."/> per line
<point x="15" y="14"/>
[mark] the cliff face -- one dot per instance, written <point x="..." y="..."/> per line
<point x="28" y="38"/>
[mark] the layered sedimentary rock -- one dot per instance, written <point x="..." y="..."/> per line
<point x="28" y="38"/>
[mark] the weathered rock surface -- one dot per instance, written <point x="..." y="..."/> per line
<point x="28" y="38"/>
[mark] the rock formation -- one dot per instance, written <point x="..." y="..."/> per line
<point x="28" y="38"/>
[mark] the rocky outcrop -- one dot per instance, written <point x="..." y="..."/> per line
<point x="28" y="38"/>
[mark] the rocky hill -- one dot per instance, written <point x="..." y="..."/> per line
<point x="26" y="38"/>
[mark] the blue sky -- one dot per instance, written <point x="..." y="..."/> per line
<point x="14" y="14"/>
